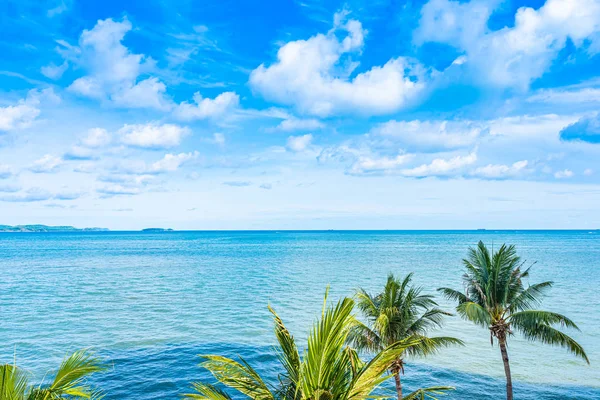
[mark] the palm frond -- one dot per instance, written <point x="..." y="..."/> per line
<point x="427" y="346"/>
<point x="70" y="380"/>
<point x="13" y="383"/>
<point x="238" y="375"/>
<point x="375" y="371"/>
<point x="538" y="317"/>
<point x="474" y="312"/>
<point x="549" y="335"/>
<point x="288" y="355"/>
<point x="207" y="392"/>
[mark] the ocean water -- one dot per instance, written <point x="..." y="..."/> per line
<point x="151" y="302"/>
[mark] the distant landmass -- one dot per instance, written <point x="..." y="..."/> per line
<point x="46" y="228"/>
<point x="157" y="230"/>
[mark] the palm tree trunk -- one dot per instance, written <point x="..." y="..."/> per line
<point x="509" y="388"/>
<point x="398" y="385"/>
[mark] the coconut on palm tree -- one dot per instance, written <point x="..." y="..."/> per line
<point x="68" y="383"/>
<point x="401" y="313"/>
<point x="328" y="369"/>
<point x="497" y="298"/>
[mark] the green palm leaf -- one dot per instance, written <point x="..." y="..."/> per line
<point x="428" y="393"/>
<point x="13" y="383"/>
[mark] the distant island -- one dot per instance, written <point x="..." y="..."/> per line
<point x="157" y="230"/>
<point x="46" y="228"/>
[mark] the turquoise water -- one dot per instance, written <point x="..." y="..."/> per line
<point x="150" y="302"/>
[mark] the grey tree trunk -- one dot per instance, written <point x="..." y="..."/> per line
<point x="398" y="385"/>
<point x="509" y="388"/>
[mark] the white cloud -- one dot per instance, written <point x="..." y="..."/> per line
<point x="171" y="162"/>
<point x="366" y="165"/>
<point x="113" y="71"/>
<point x="511" y="56"/>
<point x="28" y="196"/>
<point x="117" y="190"/>
<point x="96" y="138"/>
<point x="218" y="139"/>
<point x="588" y="172"/>
<point x="430" y="135"/>
<point x="152" y="135"/>
<point x="10" y="188"/>
<point x="297" y="124"/>
<point x="564" y="174"/>
<point x="500" y="171"/>
<point x="207" y="108"/>
<point x="53" y="71"/>
<point x="5" y="171"/>
<point x="47" y="163"/>
<point x="299" y="143"/>
<point x="441" y="166"/>
<point x="566" y="96"/>
<point x="311" y="75"/>
<point x="26" y="110"/>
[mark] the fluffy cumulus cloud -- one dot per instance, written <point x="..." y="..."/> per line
<point x="25" y="111"/>
<point x="501" y="171"/>
<point x="442" y="166"/>
<point x="365" y="165"/>
<point x="564" y="174"/>
<point x="430" y="135"/>
<point x="205" y="108"/>
<point x="316" y="76"/>
<point x="113" y="71"/>
<point x="48" y="163"/>
<point x="152" y="135"/>
<point x="514" y="55"/>
<point x="298" y="124"/>
<point x="299" y="143"/>
<point x="587" y="129"/>
<point x="96" y="138"/>
<point x="6" y="171"/>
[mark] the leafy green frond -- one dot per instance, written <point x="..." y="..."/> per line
<point x="428" y="393"/>
<point x="70" y="380"/>
<point x="325" y="364"/>
<point x="530" y="297"/>
<point x="474" y="312"/>
<point x="207" y="392"/>
<point x="452" y="294"/>
<point x="549" y="335"/>
<point x="427" y="346"/>
<point x="538" y="317"/>
<point x="375" y="371"/>
<point x="364" y="338"/>
<point x="237" y="375"/>
<point x="13" y="383"/>
<point x="288" y="355"/>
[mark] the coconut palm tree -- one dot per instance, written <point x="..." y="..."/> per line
<point x="497" y="299"/>
<point x="399" y="313"/>
<point x="68" y="383"/>
<point x="328" y="368"/>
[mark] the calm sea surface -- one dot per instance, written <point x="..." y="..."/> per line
<point x="150" y="302"/>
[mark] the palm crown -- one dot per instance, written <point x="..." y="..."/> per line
<point x="496" y="297"/>
<point x="69" y="382"/>
<point x="328" y="368"/>
<point x="400" y="313"/>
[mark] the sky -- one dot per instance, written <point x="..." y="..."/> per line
<point x="436" y="114"/>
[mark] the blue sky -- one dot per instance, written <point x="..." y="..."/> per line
<point x="300" y="115"/>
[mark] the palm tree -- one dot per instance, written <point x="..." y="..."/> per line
<point x="69" y="382"/>
<point x="328" y="368"/>
<point x="399" y="313"/>
<point x="496" y="298"/>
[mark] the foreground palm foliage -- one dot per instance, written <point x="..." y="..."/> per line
<point x="399" y="313"/>
<point x="496" y="298"/>
<point x="327" y="370"/>
<point x="69" y="382"/>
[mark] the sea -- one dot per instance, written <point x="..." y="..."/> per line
<point x="150" y="303"/>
